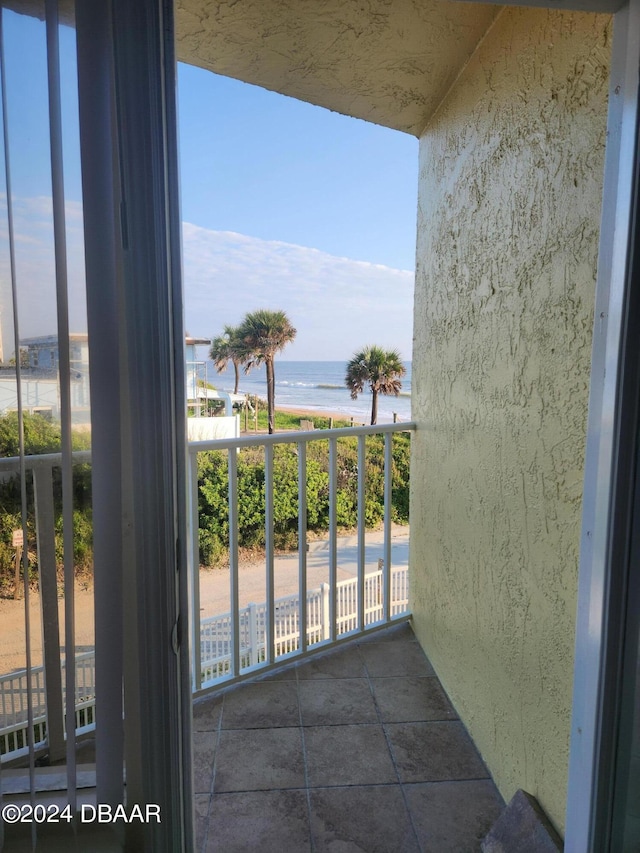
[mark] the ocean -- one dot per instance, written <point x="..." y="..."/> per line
<point x="318" y="386"/>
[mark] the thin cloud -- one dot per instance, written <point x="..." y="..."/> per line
<point x="337" y="304"/>
<point x="35" y="268"/>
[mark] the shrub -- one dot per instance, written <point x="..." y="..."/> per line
<point x="213" y="480"/>
<point x="42" y="436"/>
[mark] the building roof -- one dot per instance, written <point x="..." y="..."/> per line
<point x="52" y="340"/>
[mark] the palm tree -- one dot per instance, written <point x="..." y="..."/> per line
<point x="228" y="348"/>
<point x="262" y="334"/>
<point x="381" y="369"/>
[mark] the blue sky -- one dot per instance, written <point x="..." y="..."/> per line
<point x="293" y="207"/>
<point x="284" y="206"/>
<point x="269" y="166"/>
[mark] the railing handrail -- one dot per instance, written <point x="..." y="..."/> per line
<point x="297" y="436"/>
<point x="36" y="668"/>
<point x="48" y="460"/>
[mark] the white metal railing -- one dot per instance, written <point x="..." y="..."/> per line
<point x="223" y="647"/>
<point x="246" y="638"/>
<point x="44" y="685"/>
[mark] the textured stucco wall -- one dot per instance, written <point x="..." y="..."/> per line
<point x="509" y="202"/>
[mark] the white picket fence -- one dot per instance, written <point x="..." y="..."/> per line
<point x="215" y="642"/>
<point x="13" y="704"/>
<point x="216" y="631"/>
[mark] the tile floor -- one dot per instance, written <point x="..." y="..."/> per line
<point x="355" y="751"/>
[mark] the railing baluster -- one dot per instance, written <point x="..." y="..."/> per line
<point x="253" y="635"/>
<point x="333" y="537"/>
<point x="233" y="562"/>
<point x="45" y="523"/>
<point x="268" y="522"/>
<point x="194" y="574"/>
<point x="362" y="476"/>
<point x="302" y="544"/>
<point x="388" y="482"/>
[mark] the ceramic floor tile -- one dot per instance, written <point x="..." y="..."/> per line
<point x="259" y="759"/>
<point x="395" y="659"/>
<point x="206" y="714"/>
<point x="336" y="702"/>
<point x="204" y="750"/>
<point x="453" y="816"/>
<point x="434" y="752"/>
<point x="264" y="759"/>
<point x="347" y="755"/>
<point x="359" y="819"/>
<point x="261" y="821"/>
<point x="411" y="699"/>
<point x="344" y="663"/>
<point x="265" y="705"/>
<point x="401" y="632"/>
<point x="201" y="803"/>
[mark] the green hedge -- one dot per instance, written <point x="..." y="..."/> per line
<point x="42" y="436"/>
<point x="213" y="486"/>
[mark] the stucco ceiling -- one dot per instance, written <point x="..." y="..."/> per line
<point x="386" y="61"/>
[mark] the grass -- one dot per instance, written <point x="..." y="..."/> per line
<point x="288" y="421"/>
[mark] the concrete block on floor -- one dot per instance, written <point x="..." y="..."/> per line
<point x="523" y="827"/>
<point x="453" y="816"/>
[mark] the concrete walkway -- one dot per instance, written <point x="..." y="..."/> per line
<point x="214" y="583"/>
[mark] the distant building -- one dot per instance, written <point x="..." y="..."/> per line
<point x="196" y="371"/>
<point x="43" y="353"/>
<point x="40" y="385"/>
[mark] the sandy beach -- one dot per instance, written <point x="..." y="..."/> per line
<point x="321" y="413"/>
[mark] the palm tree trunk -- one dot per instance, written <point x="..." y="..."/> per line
<point x="374" y="407"/>
<point x="271" y="393"/>
<point x="236" y="367"/>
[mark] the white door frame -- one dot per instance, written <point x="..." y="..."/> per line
<point x="609" y="468"/>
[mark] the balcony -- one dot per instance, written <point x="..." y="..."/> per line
<point x="243" y="637"/>
<point x="358" y="748"/>
<point x="313" y="725"/>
